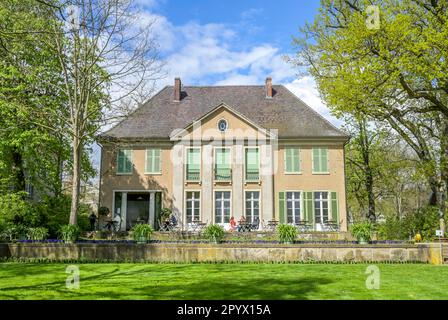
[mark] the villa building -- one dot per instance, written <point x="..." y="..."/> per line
<point x="213" y="152"/>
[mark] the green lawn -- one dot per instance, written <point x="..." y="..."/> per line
<point x="222" y="281"/>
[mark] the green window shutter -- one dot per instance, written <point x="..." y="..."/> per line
<point x="120" y="161"/>
<point x="222" y="164"/>
<point x="252" y="164"/>
<point x="193" y="164"/>
<point x="124" y="161"/>
<point x="153" y="161"/>
<point x="288" y="166"/>
<point x="292" y="160"/>
<point x="324" y="160"/>
<point x="334" y="206"/>
<point x="296" y="158"/>
<point x="309" y="207"/>
<point x="281" y="207"/>
<point x="316" y="160"/>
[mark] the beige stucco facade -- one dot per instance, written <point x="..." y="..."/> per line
<point x="240" y="134"/>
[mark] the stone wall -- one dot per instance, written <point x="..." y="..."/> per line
<point x="426" y="253"/>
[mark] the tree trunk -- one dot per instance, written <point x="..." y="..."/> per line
<point x="365" y="150"/>
<point x="371" y="197"/>
<point x="76" y="180"/>
<point x="18" y="171"/>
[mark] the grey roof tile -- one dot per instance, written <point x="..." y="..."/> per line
<point x="159" y="116"/>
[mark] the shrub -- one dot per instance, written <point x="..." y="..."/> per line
<point x="392" y="229"/>
<point x="286" y="233"/>
<point x="39" y="233"/>
<point x="13" y="232"/>
<point x="362" y="231"/>
<point x="424" y="221"/>
<point x="103" y="211"/>
<point x="141" y="232"/>
<point x="214" y="233"/>
<point x="69" y="232"/>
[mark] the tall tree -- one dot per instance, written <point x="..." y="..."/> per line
<point x="29" y="80"/>
<point x="106" y="54"/>
<point x="395" y="71"/>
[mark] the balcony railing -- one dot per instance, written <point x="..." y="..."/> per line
<point x="193" y="174"/>
<point x="223" y="174"/>
<point x="252" y="175"/>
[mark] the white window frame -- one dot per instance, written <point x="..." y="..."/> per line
<point x="328" y="160"/>
<point x="222" y="207"/>
<point x="146" y="162"/>
<point x="132" y="162"/>
<point x="200" y="204"/>
<point x="259" y="204"/>
<point x="186" y="164"/>
<point x="284" y="160"/>
<point x="259" y="164"/>
<point x="293" y="205"/>
<point x="321" y="207"/>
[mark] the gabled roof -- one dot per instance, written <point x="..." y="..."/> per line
<point x="158" y="117"/>
<point x="175" y="135"/>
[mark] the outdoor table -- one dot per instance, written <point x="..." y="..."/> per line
<point x="302" y="225"/>
<point x="272" y="224"/>
<point x="197" y="225"/>
<point x="331" y="225"/>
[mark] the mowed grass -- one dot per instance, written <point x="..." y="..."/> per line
<point x="222" y="281"/>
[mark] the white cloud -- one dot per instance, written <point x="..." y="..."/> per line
<point x="305" y="89"/>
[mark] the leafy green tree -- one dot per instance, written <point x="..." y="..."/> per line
<point x="395" y="73"/>
<point x="29" y="82"/>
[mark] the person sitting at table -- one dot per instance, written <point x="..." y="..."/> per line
<point x="232" y="223"/>
<point x="173" y="219"/>
<point x="255" y="225"/>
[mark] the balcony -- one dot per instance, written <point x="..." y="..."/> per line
<point x="252" y="175"/>
<point x="223" y="175"/>
<point x="192" y="175"/>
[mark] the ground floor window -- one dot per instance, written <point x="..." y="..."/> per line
<point x="252" y="206"/>
<point x="222" y="206"/>
<point x="321" y="206"/>
<point x="193" y="205"/>
<point x="293" y="206"/>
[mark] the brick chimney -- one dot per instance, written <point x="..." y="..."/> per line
<point x="177" y="86"/>
<point x="268" y="87"/>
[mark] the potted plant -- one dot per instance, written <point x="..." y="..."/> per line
<point x="214" y="233"/>
<point x="141" y="233"/>
<point x="69" y="233"/>
<point x="362" y="231"/>
<point x="287" y="233"/>
<point x="37" y="234"/>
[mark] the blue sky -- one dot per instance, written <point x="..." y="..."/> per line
<point x="231" y="42"/>
<point x="211" y="42"/>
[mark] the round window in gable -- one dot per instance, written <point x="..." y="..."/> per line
<point x="222" y="125"/>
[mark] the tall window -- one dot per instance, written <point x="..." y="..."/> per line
<point x="252" y="164"/>
<point x="124" y="161"/>
<point x="293" y="207"/>
<point x="320" y="160"/>
<point x="292" y="160"/>
<point x="222" y="206"/>
<point x="193" y="205"/>
<point x="153" y="161"/>
<point x="320" y="206"/>
<point x="223" y="171"/>
<point x="252" y="206"/>
<point x="193" y="167"/>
